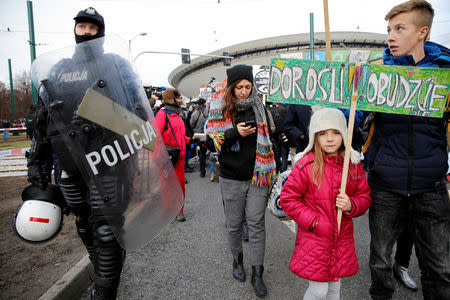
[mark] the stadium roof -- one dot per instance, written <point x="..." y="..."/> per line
<point x="265" y="49"/>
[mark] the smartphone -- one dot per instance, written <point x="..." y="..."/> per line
<point x="250" y="123"/>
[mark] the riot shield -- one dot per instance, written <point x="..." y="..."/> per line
<point x="98" y="105"/>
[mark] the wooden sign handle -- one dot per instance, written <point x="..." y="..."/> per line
<point x="351" y="122"/>
<point x="327" y="31"/>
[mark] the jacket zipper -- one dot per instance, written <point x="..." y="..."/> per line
<point x="410" y="153"/>
<point x="335" y="237"/>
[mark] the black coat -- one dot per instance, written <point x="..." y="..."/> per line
<point x="408" y="154"/>
<point x="297" y="124"/>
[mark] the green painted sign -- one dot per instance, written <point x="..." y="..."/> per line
<point x="379" y="88"/>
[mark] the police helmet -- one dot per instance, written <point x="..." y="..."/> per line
<point x="40" y="217"/>
<point x="89" y="15"/>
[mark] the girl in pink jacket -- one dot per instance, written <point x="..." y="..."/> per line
<point x="311" y="197"/>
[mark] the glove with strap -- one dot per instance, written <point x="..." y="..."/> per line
<point x="35" y="175"/>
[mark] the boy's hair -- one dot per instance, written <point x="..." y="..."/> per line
<point x="424" y="16"/>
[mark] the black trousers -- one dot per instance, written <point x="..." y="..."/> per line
<point x="202" y="157"/>
<point x="104" y="250"/>
<point x="405" y="244"/>
<point x="427" y="218"/>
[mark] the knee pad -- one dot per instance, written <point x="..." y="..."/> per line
<point x="105" y="235"/>
<point x="75" y="192"/>
<point x="109" y="255"/>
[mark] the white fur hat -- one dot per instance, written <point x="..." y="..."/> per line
<point x="328" y="118"/>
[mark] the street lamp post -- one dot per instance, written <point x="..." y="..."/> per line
<point x="32" y="44"/>
<point x="178" y="53"/>
<point x="129" y="41"/>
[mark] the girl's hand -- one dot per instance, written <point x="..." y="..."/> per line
<point x="343" y="202"/>
<point x="245" y="130"/>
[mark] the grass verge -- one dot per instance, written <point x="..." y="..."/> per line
<point x="14" y="142"/>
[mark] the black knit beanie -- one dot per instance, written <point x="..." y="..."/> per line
<point x="89" y="15"/>
<point x="239" y="72"/>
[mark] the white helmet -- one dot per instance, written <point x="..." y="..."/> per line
<point x="40" y="217"/>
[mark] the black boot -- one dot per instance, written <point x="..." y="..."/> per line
<point x="401" y="273"/>
<point x="102" y="293"/>
<point x="238" y="268"/>
<point x="257" y="281"/>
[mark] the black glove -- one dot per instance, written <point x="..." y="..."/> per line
<point x="36" y="176"/>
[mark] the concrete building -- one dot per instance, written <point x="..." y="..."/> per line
<point x="345" y="46"/>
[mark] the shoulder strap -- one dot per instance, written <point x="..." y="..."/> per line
<point x="165" y="126"/>
<point x="165" y="120"/>
<point x="369" y="137"/>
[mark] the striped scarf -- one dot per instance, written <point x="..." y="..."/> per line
<point x="264" y="173"/>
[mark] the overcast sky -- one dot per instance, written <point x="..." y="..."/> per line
<point x="200" y="25"/>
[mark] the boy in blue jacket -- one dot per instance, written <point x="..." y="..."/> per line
<point x="407" y="164"/>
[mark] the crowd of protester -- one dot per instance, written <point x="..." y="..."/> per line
<point x="398" y="166"/>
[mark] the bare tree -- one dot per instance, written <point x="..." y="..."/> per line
<point x="22" y="94"/>
<point x="5" y="102"/>
<point x="22" y="97"/>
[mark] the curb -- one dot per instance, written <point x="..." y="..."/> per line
<point x="72" y="284"/>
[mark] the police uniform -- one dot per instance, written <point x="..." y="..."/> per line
<point x="62" y="91"/>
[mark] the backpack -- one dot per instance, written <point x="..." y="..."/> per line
<point x="199" y="120"/>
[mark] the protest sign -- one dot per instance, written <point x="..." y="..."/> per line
<point x="261" y="78"/>
<point x="206" y="93"/>
<point x="381" y="88"/>
<point x="378" y="88"/>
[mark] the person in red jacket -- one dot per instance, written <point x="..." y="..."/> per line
<point x="177" y="138"/>
<point x="310" y="197"/>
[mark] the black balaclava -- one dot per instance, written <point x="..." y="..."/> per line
<point x="89" y="15"/>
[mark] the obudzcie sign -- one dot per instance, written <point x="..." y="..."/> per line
<point x="380" y="88"/>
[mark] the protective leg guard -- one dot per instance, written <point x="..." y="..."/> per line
<point x="75" y="193"/>
<point x="109" y="261"/>
<point x="87" y="237"/>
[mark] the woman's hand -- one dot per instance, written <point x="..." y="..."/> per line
<point x="343" y="202"/>
<point x="245" y="130"/>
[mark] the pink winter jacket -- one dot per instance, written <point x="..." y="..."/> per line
<point x="178" y="127"/>
<point x="320" y="254"/>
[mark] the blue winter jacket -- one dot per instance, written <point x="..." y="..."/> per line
<point x="408" y="154"/>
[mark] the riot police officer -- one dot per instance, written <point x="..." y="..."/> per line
<point x="68" y="81"/>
